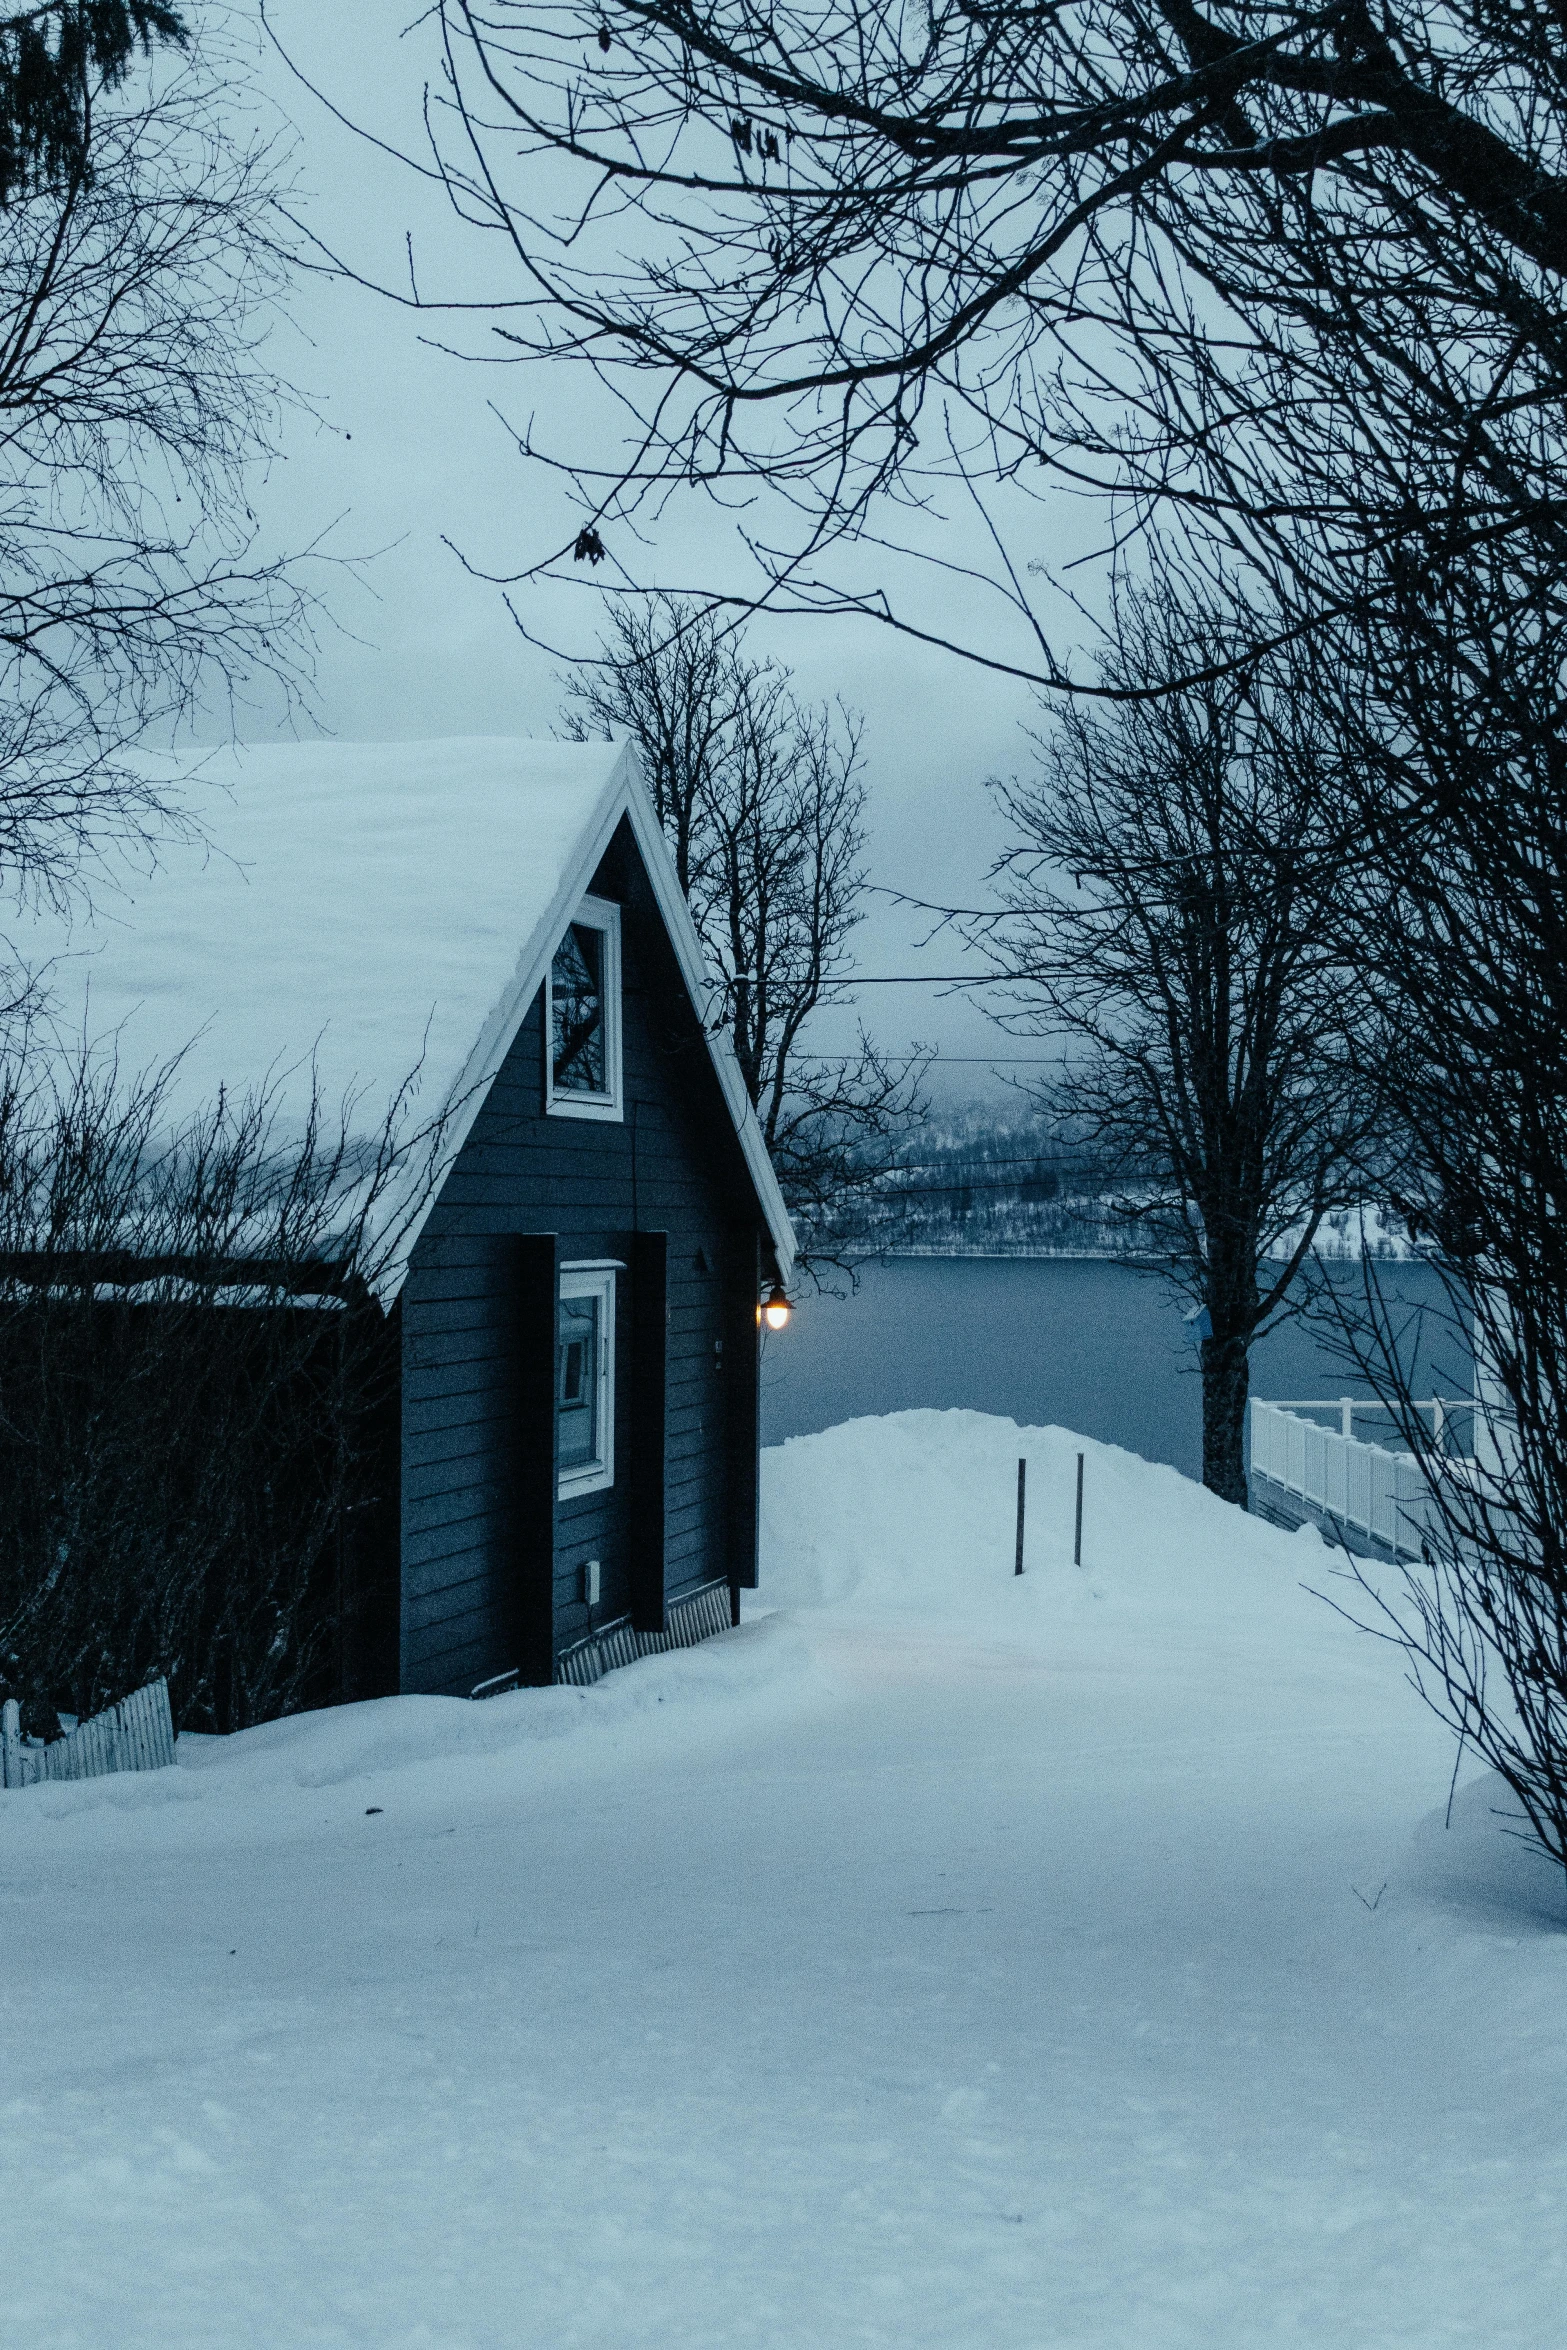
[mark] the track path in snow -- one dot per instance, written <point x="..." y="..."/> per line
<point x="922" y="1968"/>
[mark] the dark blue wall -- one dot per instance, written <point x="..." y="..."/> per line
<point x="673" y="1166"/>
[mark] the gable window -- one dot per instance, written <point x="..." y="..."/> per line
<point x="583" y="1023"/>
<point x="585" y="1379"/>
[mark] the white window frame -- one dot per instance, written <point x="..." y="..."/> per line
<point x="595" y="1278"/>
<point x="601" y="915"/>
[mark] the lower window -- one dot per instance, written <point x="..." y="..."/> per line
<point x="585" y="1379"/>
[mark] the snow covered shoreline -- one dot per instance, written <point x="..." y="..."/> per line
<point x="943" y="1958"/>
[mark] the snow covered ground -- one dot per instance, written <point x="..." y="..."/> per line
<point x="941" y="1959"/>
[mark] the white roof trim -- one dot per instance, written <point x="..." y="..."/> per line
<point x="624" y="794"/>
<point x="707" y="1005"/>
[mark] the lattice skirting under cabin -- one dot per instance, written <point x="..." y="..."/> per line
<point x="135" y="1735"/>
<point x="696" y="1616"/>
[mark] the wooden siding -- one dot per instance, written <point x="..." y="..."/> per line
<point x="471" y="1430"/>
<point x="646" y="1422"/>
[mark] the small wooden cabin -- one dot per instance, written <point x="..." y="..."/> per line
<point x="573" y="1309"/>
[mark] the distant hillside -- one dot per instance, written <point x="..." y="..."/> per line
<point x="979" y="1185"/>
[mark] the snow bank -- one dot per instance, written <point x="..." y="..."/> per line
<point x="424" y="1751"/>
<point x="1477" y="1860"/>
<point x="905" y="1519"/>
<point x="941" y="1960"/>
<point x="917" y="1512"/>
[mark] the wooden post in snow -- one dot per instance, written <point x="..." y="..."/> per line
<point x="1022" y="1477"/>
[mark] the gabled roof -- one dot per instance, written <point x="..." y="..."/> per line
<point x="357" y="910"/>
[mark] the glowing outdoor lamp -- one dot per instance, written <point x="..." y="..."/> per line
<point x="776" y="1308"/>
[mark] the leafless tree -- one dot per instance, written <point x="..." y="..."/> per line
<point x="1176" y="904"/>
<point x="56" y="56"/>
<point x="763" y="805"/>
<point x="1465" y="822"/>
<point x="846" y="254"/>
<point x="194" y="1373"/>
<point x="139" y="267"/>
<point x="1481" y="1615"/>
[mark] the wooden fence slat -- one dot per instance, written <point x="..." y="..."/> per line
<point x="135" y="1735"/>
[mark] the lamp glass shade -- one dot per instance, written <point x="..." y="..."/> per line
<point x="776" y="1308"/>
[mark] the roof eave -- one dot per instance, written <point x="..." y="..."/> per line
<point x="623" y="795"/>
<point x="676" y="915"/>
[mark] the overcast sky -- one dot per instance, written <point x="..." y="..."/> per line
<point x="408" y="455"/>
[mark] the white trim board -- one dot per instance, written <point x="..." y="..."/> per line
<point x="596" y="1475"/>
<point x="609" y="1107"/>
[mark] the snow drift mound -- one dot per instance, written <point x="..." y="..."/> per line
<point x="422" y="1751"/>
<point x="1478" y="1855"/>
<point x="917" y="1510"/>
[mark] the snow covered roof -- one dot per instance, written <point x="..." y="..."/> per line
<point x="355" y="910"/>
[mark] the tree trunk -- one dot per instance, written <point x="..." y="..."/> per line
<point x="1226" y="1380"/>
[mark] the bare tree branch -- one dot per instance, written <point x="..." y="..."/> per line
<point x="762" y="803"/>
<point x="1175" y="910"/>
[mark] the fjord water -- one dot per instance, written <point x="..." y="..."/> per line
<point x="1071" y="1342"/>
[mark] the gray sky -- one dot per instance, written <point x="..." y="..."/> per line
<point x="408" y="454"/>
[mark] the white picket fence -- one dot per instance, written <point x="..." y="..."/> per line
<point x="135" y="1735"/>
<point x="1362" y="1486"/>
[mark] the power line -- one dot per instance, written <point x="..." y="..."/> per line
<point x="1015" y="1183"/>
<point x="1046" y="1157"/>
<point x="957" y="1060"/>
<point x="893" y="979"/>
